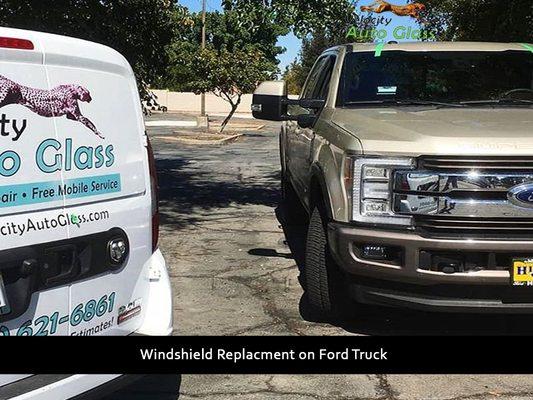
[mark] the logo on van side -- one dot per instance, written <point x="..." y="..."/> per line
<point x="56" y="102"/>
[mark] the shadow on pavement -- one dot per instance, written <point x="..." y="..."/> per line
<point x="188" y="192"/>
<point x="260" y="252"/>
<point x="385" y="321"/>
<point x="150" y="387"/>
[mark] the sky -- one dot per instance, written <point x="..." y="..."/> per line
<point x="291" y="42"/>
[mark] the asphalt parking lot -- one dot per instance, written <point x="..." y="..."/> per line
<point x="231" y="269"/>
<point x="323" y="387"/>
<point x="233" y="274"/>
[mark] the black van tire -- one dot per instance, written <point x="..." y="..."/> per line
<point x="327" y="291"/>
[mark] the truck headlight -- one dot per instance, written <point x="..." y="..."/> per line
<point x="372" y="180"/>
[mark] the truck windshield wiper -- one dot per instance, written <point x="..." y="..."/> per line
<point x="497" y="101"/>
<point x="407" y="102"/>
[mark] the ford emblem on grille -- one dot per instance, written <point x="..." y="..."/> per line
<point x="521" y="195"/>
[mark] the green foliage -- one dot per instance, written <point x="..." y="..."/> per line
<point x="310" y="51"/>
<point x="235" y="60"/>
<point x="225" y="32"/>
<point x="230" y="74"/>
<point x="481" y="20"/>
<point x="139" y="29"/>
<point x="312" y="46"/>
<point x="294" y="77"/>
<point x="302" y="16"/>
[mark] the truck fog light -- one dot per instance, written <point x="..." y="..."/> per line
<point x="378" y="252"/>
<point x="117" y="249"/>
<point x="374" y="252"/>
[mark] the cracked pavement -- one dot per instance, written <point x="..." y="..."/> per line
<point x="231" y="271"/>
<point x="233" y="274"/>
<point x="326" y="387"/>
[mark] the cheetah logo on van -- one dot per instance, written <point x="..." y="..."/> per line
<point x="56" y="102"/>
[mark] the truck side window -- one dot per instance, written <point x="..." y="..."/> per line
<point x="313" y="78"/>
<point x="322" y="86"/>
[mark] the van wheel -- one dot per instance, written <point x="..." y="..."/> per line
<point x="327" y="291"/>
<point x="294" y="212"/>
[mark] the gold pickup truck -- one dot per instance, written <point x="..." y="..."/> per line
<point x="413" y="163"/>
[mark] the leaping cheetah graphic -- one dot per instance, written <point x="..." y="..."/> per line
<point x="56" y="102"/>
<point x="409" y="10"/>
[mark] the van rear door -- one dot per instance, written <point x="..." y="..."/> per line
<point x="31" y="209"/>
<point x="105" y="170"/>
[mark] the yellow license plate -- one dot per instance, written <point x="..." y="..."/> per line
<point x="522" y="273"/>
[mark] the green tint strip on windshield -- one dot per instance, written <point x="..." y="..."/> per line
<point x="379" y="49"/>
<point x="527" y="47"/>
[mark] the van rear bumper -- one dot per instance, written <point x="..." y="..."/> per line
<point x="405" y="283"/>
<point x="48" y="387"/>
<point x="158" y="320"/>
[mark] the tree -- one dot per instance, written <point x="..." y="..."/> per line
<point x="139" y="29"/>
<point x="241" y="42"/>
<point x="302" y="16"/>
<point x="230" y="74"/>
<point x="235" y="61"/>
<point x="481" y="20"/>
<point x="225" y="31"/>
<point x="313" y="45"/>
<point x="311" y="49"/>
<point x="293" y="77"/>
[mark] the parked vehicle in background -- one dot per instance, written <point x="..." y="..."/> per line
<point x="78" y="199"/>
<point x="414" y="165"/>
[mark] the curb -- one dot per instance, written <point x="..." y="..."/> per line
<point x="195" y="141"/>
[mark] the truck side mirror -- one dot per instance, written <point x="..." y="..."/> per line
<point x="306" y="120"/>
<point x="269" y="101"/>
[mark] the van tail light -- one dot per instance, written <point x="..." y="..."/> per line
<point x="154" y="192"/>
<point x="14" y="43"/>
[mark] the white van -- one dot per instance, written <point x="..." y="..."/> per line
<point x="78" y="207"/>
<point x="78" y="198"/>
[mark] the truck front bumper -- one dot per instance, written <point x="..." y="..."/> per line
<point x="406" y="284"/>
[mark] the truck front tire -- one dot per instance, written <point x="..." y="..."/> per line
<point x="327" y="291"/>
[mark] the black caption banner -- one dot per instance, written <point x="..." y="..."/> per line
<point x="257" y="355"/>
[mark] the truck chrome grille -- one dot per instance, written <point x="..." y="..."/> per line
<point x="449" y="227"/>
<point x="438" y="163"/>
<point x="467" y="196"/>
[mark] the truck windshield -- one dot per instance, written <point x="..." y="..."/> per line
<point x="457" y="79"/>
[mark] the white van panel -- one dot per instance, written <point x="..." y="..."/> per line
<point x="32" y="227"/>
<point x="48" y="314"/>
<point x="83" y="138"/>
<point x="82" y="54"/>
<point x="116" y="129"/>
<point x="125" y="286"/>
<point x="105" y="146"/>
<point x="23" y="190"/>
<point x="34" y="56"/>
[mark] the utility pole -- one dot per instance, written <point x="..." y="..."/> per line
<point x="202" y="107"/>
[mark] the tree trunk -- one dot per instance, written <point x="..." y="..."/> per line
<point x="234" y="107"/>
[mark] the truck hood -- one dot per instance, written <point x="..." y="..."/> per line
<point x="457" y="131"/>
